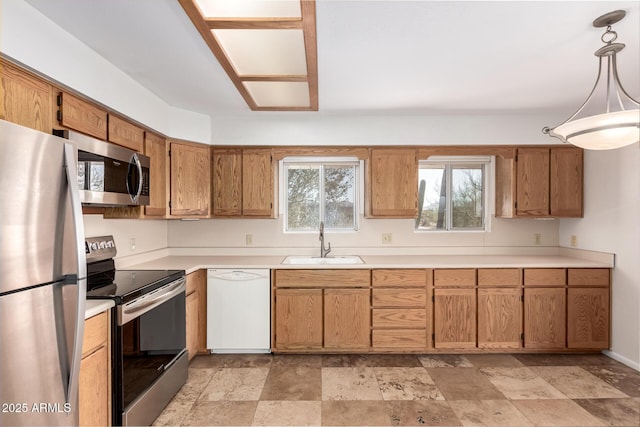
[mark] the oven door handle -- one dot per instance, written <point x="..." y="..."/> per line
<point x="137" y="309"/>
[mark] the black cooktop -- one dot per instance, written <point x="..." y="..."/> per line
<point x="126" y="285"/>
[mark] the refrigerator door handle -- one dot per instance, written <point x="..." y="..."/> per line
<point x="76" y="213"/>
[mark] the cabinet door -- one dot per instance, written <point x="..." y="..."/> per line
<point x="566" y="182"/>
<point x="125" y="134"/>
<point x="298" y="318"/>
<point x="455" y="318"/>
<point x="499" y="317"/>
<point x="532" y="182"/>
<point x="155" y="147"/>
<point x="257" y="182"/>
<point x="75" y="113"/>
<point x="226" y="175"/>
<point x="190" y="180"/>
<point x="393" y="182"/>
<point x="347" y="318"/>
<point x="94" y="390"/>
<point x="544" y="318"/>
<point x="94" y="399"/>
<point x="192" y="320"/>
<point x="588" y="318"/>
<point x="26" y="100"/>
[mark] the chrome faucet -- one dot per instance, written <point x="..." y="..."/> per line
<point x="323" y="251"/>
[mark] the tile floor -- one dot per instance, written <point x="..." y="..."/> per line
<point x="406" y="390"/>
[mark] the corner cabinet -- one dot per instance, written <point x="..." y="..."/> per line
<point x="540" y="182"/>
<point x="392" y="177"/>
<point x="190" y="180"/>
<point x="242" y="181"/>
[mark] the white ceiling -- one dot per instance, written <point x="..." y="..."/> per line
<point x="380" y="56"/>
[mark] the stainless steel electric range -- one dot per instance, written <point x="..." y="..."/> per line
<point x="149" y="353"/>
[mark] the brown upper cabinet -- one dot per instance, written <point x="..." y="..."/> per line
<point x="155" y="147"/>
<point x="190" y="179"/>
<point x="125" y="134"/>
<point x="242" y="181"/>
<point x="78" y="114"/>
<point x="26" y="100"/>
<point x="540" y="182"/>
<point x="393" y="183"/>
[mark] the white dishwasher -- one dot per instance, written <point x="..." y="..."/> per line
<point x="238" y="310"/>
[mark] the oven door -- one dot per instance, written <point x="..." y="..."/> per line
<point x="151" y="354"/>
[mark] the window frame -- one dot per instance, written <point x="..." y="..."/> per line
<point x="321" y="162"/>
<point x="449" y="163"/>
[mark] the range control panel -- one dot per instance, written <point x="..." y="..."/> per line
<point x="99" y="248"/>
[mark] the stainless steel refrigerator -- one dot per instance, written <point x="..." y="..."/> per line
<point x="42" y="279"/>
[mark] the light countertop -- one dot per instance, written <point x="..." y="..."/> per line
<point x="97" y="306"/>
<point x="193" y="263"/>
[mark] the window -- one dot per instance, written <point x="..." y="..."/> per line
<point x="452" y="194"/>
<point x="320" y="191"/>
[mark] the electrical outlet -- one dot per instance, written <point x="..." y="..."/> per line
<point x="573" y="241"/>
<point x="248" y="239"/>
<point x="387" y="238"/>
<point x="537" y="238"/>
<point x="132" y="243"/>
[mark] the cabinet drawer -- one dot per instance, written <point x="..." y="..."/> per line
<point x="322" y="278"/>
<point x="398" y="338"/>
<point x="588" y="277"/>
<point x="399" y="297"/>
<point x="96" y="332"/>
<point x="545" y="277"/>
<point x="499" y="277"/>
<point x="403" y="278"/>
<point x="399" y="318"/>
<point x="455" y="277"/>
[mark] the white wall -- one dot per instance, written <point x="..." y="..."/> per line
<point x="318" y="128"/>
<point x="37" y="42"/>
<point x="612" y="224"/>
<point x="229" y="236"/>
<point x="149" y="235"/>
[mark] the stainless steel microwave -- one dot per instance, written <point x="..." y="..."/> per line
<point x="108" y="174"/>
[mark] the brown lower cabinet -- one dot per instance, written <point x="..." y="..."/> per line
<point x="322" y="310"/>
<point x="544" y="318"/>
<point x="472" y="310"/>
<point x="95" y="372"/>
<point x="347" y="318"/>
<point x="499" y="318"/>
<point x="401" y="309"/>
<point x="196" y="312"/>
<point x="298" y="318"/>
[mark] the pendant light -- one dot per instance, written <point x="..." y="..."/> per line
<point x="609" y="118"/>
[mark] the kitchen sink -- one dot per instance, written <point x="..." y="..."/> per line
<point x="332" y="260"/>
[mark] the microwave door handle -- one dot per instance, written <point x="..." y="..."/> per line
<point x="140" y="177"/>
<point x="76" y="213"/>
<point x="134" y="161"/>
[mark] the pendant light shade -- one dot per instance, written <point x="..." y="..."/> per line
<point x="610" y="117"/>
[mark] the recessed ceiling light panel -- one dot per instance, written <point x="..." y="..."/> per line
<point x="264" y="52"/>
<point x="279" y="94"/>
<point x="249" y="8"/>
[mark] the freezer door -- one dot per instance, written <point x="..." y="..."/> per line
<point x="39" y="242"/>
<point x="37" y="329"/>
